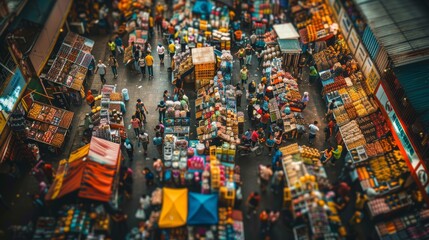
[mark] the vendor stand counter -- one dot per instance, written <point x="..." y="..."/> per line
<point x="387" y="206"/>
<point x="409" y="226"/>
<point x="177" y="126"/>
<point x="72" y="62"/>
<point x="50" y="115"/>
<point x="46" y="133"/>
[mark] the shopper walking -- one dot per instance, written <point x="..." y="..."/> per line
<point x="157" y="141"/>
<point x="337" y="154"/>
<point x="101" y="69"/>
<point x="249" y="52"/>
<point x="313" y="129"/>
<point x="149" y="64"/>
<point x="142" y="64"/>
<point x="241" y="54"/>
<point x="148" y="175"/>
<point x="144" y="141"/>
<point x="130" y="149"/>
<point x="172" y="49"/>
<point x="113" y="63"/>
<point x="265" y="174"/>
<point x="140" y="105"/>
<point x="161" y="51"/>
<point x="136" y="54"/>
<point x="161" y="110"/>
<point x="244" y="75"/>
<point x="305" y="99"/>
<point x="252" y="203"/>
<point x="159" y="169"/>
<point x="112" y="47"/>
<point x="136" y="124"/>
<point x="238" y="94"/>
<point x="119" y="45"/>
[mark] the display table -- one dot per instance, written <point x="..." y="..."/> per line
<point x="72" y="62"/>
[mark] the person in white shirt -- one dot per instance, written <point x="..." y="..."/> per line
<point x="101" y="69"/>
<point x="161" y="52"/>
<point x="313" y="129"/>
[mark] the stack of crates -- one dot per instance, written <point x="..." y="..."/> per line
<point x="204" y="73"/>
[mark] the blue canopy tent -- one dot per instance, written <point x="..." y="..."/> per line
<point x="202" y="7"/>
<point x="202" y="209"/>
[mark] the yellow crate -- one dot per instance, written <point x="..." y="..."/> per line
<point x="206" y="66"/>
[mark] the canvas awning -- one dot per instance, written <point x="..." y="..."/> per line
<point x="174" y="210"/>
<point x="286" y="31"/>
<point x="202" y="209"/>
<point x="87" y="171"/>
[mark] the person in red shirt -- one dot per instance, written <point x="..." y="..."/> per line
<point x="252" y="203"/>
<point x="265" y="118"/>
<point x="254" y="137"/>
<point x="90" y="99"/>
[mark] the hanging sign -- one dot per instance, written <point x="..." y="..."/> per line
<point x="397" y="125"/>
<point x="361" y="54"/>
<point x="353" y="41"/>
<point x="345" y="24"/>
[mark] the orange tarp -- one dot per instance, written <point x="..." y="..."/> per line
<point x="91" y="169"/>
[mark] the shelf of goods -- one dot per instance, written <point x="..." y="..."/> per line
<point x="304" y="175"/>
<point x="183" y="66"/>
<point x="50" y="115"/>
<point x="179" y="154"/>
<point x="46" y="133"/>
<point x="75" y="222"/>
<point x="178" y="126"/>
<point x="410" y="226"/>
<point x="383" y="173"/>
<point x="317" y="27"/>
<point x="204" y="62"/>
<point x="328" y="57"/>
<point x="389" y="204"/>
<point x="72" y="61"/>
<point x="108" y="118"/>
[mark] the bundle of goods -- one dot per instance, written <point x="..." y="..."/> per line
<point x="356" y="92"/>
<point x="294" y="170"/>
<point x="270" y="37"/>
<point x="73" y="221"/>
<point x="374" y="149"/>
<point x="367" y="127"/>
<point x="226" y="56"/>
<point x="352" y="135"/>
<point x="358" y="154"/>
<point x="271" y="52"/>
<point x="339" y="82"/>
<point x="388" y="143"/>
<point x="219" y="17"/>
<point x="351" y="111"/>
<point x="380" y="124"/>
<point x="310" y="155"/>
<point x="341" y="115"/>
<point x="389" y="203"/>
<point x="221" y="35"/>
<point x="290" y="149"/>
<point x="175" y="109"/>
<point x="404" y="227"/>
<point x="326" y="59"/>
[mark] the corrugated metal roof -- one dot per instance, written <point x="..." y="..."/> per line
<point x="401" y="27"/>
<point x="289" y="45"/>
<point x="414" y="78"/>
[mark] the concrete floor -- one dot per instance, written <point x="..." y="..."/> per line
<point x="150" y="91"/>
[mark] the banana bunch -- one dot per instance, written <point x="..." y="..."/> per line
<point x="381" y="169"/>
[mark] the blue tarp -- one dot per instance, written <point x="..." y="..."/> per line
<point x="202" y="209"/>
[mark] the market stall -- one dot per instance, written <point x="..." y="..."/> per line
<point x="289" y="45"/>
<point x="204" y="62"/>
<point x="71" y="64"/>
<point x="48" y="124"/>
<point x="305" y="177"/>
<point x="174" y="211"/>
<point x="90" y="170"/>
<point x="107" y="115"/>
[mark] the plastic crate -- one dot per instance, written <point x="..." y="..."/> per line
<point x="203" y="67"/>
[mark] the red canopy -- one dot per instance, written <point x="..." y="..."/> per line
<point x="91" y="169"/>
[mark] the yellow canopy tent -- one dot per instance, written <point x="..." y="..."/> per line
<point x="174" y="210"/>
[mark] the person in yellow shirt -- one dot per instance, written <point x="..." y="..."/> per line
<point x="172" y="49"/>
<point x="231" y="15"/>
<point x="149" y="64"/>
<point x="151" y="25"/>
<point x="112" y="47"/>
<point x="159" y="9"/>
